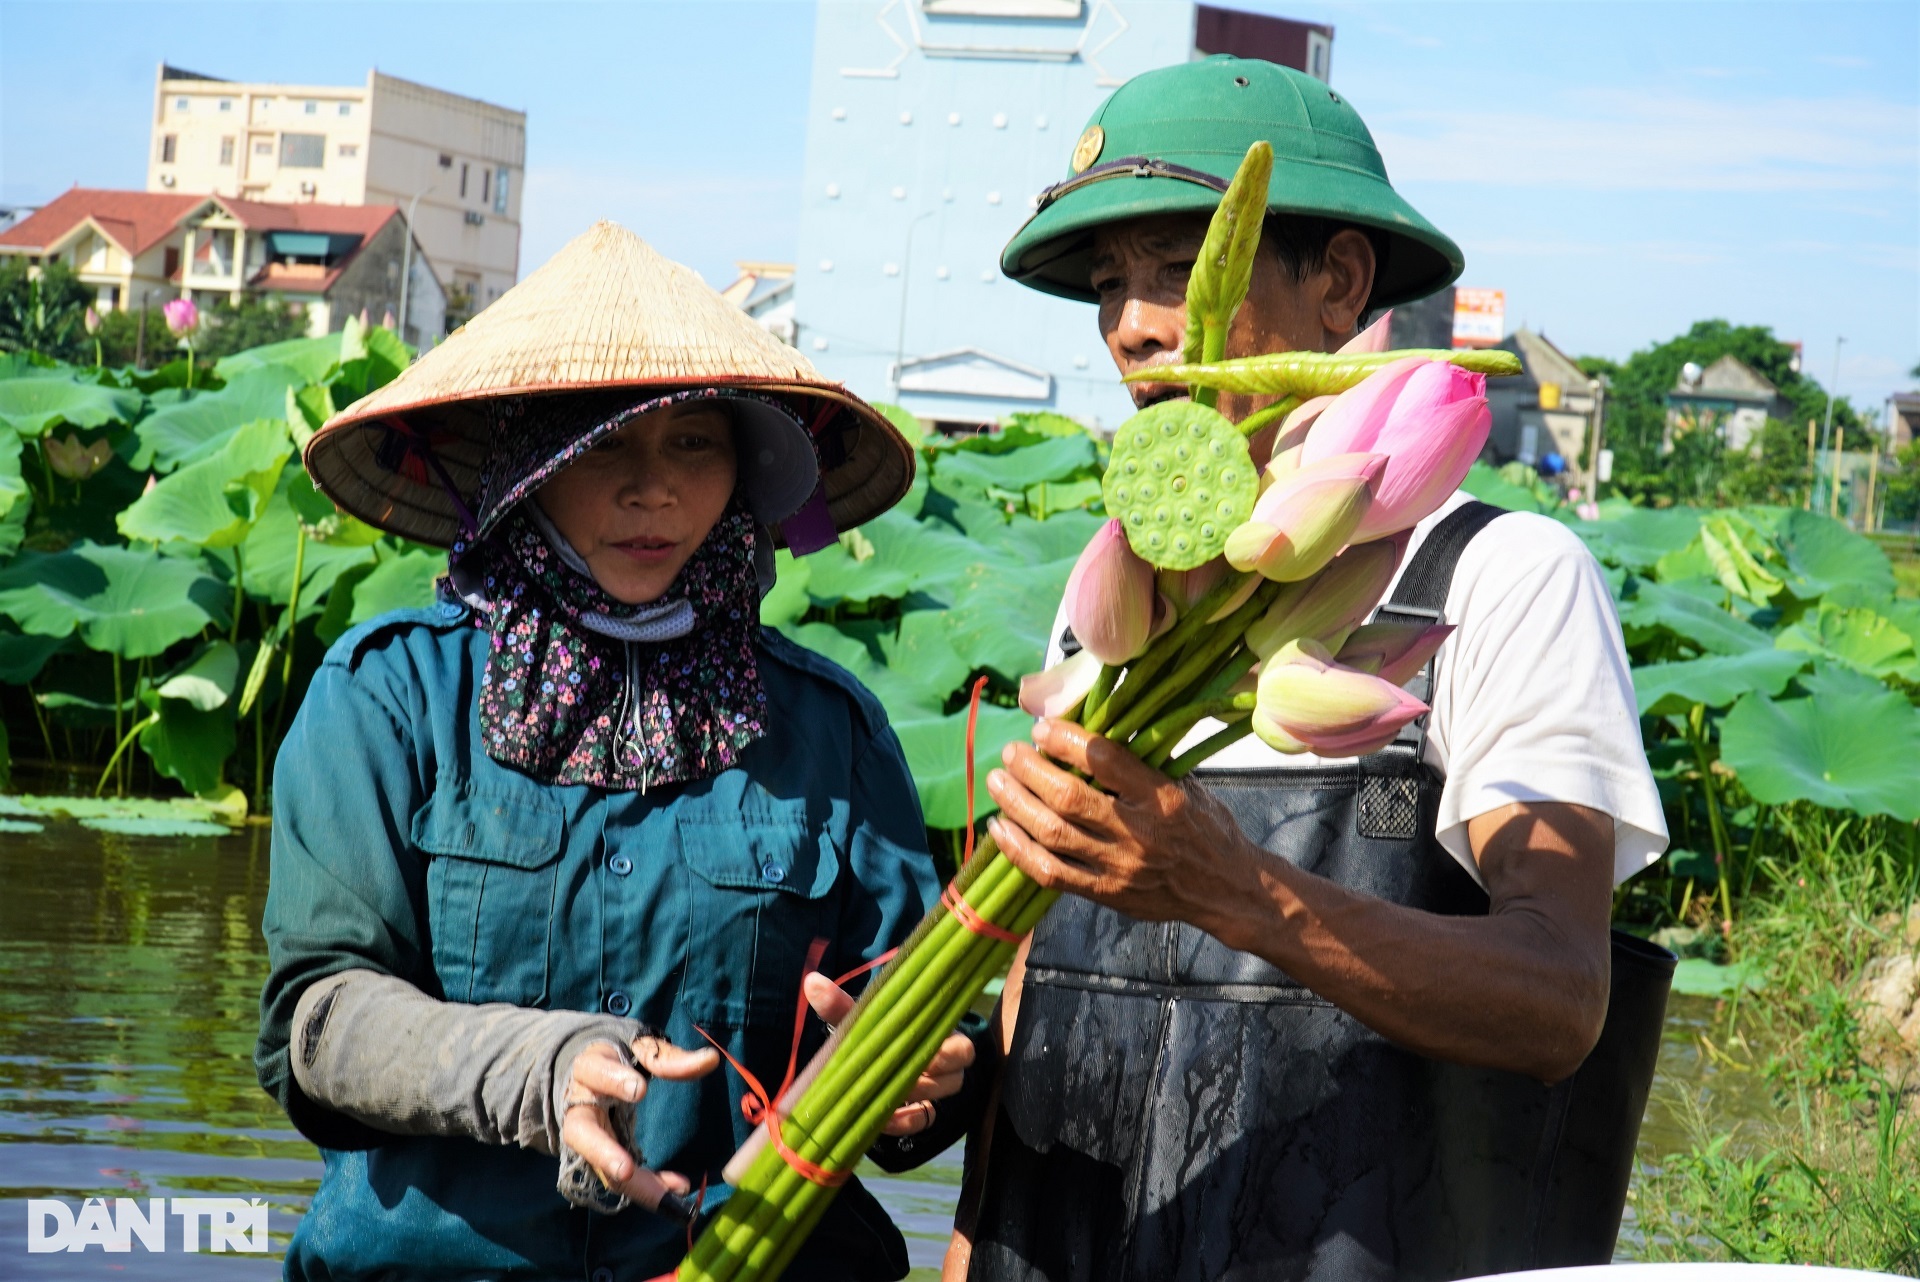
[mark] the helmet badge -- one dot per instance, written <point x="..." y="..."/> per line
<point x="1087" y="150"/>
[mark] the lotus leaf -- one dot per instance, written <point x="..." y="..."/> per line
<point x="22" y="655"/>
<point x="193" y="429"/>
<point x="936" y="749"/>
<point x="403" y="582"/>
<point x="1058" y="458"/>
<point x="1737" y="552"/>
<point x="1821" y="554"/>
<point x="1685" y="615"/>
<point x="1698" y="977"/>
<point x="207" y="682"/>
<point x="1851" y="750"/>
<point x="1061" y="537"/>
<point x="313" y="359"/>
<point x="903" y="421"/>
<point x="214" y="502"/>
<point x="157" y="827"/>
<point x="30" y="406"/>
<point x="788" y="600"/>
<point x="190" y="744"/>
<point x="1666" y="689"/>
<point x="1637" y="538"/>
<point x="1487" y="485"/>
<point x="1858" y="637"/>
<point x="271" y="547"/>
<point x="333" y="622"/>
<point x="15" y="499"/>
<point x="866" y="649"/>
<point x="22" y="827"/>
<point x="908" y="556"/>
<point x="1000" y="618"/>
<point x="370" y="358"/>
<point x="191" y="809"/>
<point x="1052" y="498"/>
<point x="134" y="604"/>
<point x="307" y="410"/>
<point x="322" y="521"/>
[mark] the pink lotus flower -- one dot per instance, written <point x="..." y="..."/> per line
<point x="1373" y="338"/>
<point x="1053" y="692"/>
<point x="182" y="316"/>
<point x="1393" y="651"/>
<point x="92" y="321"/>
<point x="1329" y="606"/>
<point x="1110" y="597"/>
<point x="1308" y="703"/>
<point x="1429" y="417"/>
<point x="1185" y="588"/>
<point x="1309" y="514"/>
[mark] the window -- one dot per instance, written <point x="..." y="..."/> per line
<point x="463" y="180"/>
<point x="171" y="263"/>
<point x="303" y="151"/>
<point x="486" y="184"/>
<point x="263" y="147"/>
<point x="226" y="104"/>
<point x="226" y="151"/>
<point x="500" y="191"/>
<point x="446" y="161"/>
<point x="180" y="104"/>
<point x="349" y="149"/>
<point x="313" y="108"/>
<point x="346" y="109"/>
<point x="168" y="144"/>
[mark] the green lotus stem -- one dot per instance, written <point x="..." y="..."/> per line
<point x="293" y="613"/>
<point x="1307" y="374"/>
<point x="125" y="743"/>
<point x="1172" y="726"/>
<point x="1224" y="637"/>
<point x="1260" y="420"/>
<point x="1716" y="823"/>
<point x="239" y="596"/>
<point x="1102" y="690"/>
<point x="1183" y="765"/>
<point x="1162" y="652"/>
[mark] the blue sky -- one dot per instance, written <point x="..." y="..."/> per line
<point x="1619" y="169"/>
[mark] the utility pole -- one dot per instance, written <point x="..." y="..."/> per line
<point x="1827" y="435"/>
<point x="1598" y="386"/>
<point x="906" y="279"/>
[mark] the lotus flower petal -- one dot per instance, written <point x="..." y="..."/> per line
<point x="1185" y="588"/>
<point x="1332" y="709"/>
<point x="1304" y="520"/>
<point x="1111" y="597"/>
<point x="1053" y="693"/>
<point x="1393" y="651"/>
<point x="1330" y="605"/>
<point x="182" y="316"/>
<point x="1373" y="338"/>
<point x="1433" y="434"/>
<point x="1354" y="421"/>
<point x="91" y="320"/>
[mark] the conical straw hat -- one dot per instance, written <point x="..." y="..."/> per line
<point x="606" y="312"/>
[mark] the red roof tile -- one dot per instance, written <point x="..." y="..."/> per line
<point x="137" y="220"/>
<point x="356" y="220"/>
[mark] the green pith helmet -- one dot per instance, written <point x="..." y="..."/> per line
<point x="1169" y="141"/>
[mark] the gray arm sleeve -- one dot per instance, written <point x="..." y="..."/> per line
<point x="384" y="1053"/>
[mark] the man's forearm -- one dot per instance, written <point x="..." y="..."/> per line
<point x="1523" y="988"/>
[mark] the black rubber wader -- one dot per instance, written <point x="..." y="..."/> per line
<point x="1174" y="1109"/>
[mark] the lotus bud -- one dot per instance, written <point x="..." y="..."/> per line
<point x="92" y="321"/>
<point x="1393" y="651"/>
<point x="1054" y="692"/>
<point x="1328" y="607"/>
<point x="1111" y="597"/>
<point x="182" y="316"/>
<point x="386" y="319"/>
<point x="1431" y="420"/>
<point x="1587" y="511"/>
<point x="1185" y="588"/>
<point x="1306" y="518"/>
<point x="365" y="322"/>
<point x="1307" y="702"/>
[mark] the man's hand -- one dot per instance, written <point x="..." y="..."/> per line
<point x="940" y="1080"/>
<point x="1140" y="843"/>
<point x="602" y="1079"/>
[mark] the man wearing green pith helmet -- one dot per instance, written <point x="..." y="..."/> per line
<point x="1298" y="1017"/>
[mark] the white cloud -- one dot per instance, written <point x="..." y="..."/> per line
<point x="1842" y="60"/>
<point x="1613" y="140"/>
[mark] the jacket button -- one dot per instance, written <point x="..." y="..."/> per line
<point x="453" y="610"/>
<point x="618" y="1003"/>
<point x="774" y="873"/>
<point x="603" y="1275"/>
<point x="621" y="865"/>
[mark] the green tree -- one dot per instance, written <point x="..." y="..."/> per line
<point x="254" y="322"/>
<point x="1773" y="470"/>
<point x="44" y="311"/>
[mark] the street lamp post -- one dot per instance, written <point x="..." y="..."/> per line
<point x="406" y="258"/>
<point x="1826" y="435"/>
<point x="1598" y="387"/>
<point x="906" y="280"/>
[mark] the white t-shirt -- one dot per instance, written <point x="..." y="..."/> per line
<point x="1533" y="696"/>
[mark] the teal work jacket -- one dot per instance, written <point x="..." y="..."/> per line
<point x="399" y="846"/>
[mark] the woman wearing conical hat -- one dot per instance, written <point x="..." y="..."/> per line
<point x="535" y="845"/>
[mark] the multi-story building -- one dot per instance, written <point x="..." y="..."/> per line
<point x="931" y="125"/>
<point x="137" y="249"/>
<point x="456" y="165"/>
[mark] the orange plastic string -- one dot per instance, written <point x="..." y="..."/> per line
<point x="964" y="913"/>
<point x="973" y="722"/>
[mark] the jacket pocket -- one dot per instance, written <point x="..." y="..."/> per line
<point x="760" y="894"/>
<point x="490" y="890"/>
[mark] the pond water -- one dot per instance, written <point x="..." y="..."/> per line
<point x="132" y="969"/>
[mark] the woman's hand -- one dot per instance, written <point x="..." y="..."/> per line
<point x="602" y="1079"/>
<point x="940" y="1079"/>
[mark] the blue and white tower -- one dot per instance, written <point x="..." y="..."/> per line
<point x="931" y="126"/>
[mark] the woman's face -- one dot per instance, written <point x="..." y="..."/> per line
<point x="641" y="501"/>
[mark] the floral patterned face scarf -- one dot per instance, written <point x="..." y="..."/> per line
<point x="581" y="688"/>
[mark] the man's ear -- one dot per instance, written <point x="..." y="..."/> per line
<point x="1348" y="267"/>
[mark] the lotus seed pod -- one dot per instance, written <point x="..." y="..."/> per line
<point x="1179" y="482"/>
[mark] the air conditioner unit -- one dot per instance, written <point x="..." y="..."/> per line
<point x="307" y="189"/>
<point x="475" y="219"/>
<point x="166" y="180"/>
